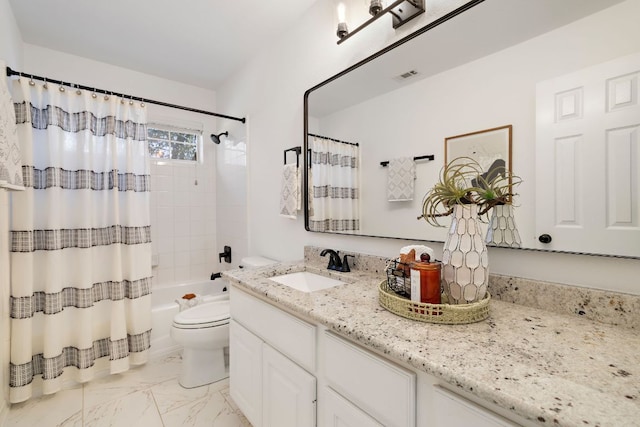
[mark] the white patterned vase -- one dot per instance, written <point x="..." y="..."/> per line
<point x="465" y="262"/>
<point x="502" y="230"/>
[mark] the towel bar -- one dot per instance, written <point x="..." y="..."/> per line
<point x="297" y="150"/>
<point x="428" y="157"/>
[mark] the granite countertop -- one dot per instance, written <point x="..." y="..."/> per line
<point x="553" y="369"/>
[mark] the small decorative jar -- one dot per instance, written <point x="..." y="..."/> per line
<point x="425" y="282"/>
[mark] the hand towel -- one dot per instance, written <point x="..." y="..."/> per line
<point x="184" y="303"/>
<point x="290" y="200"/>
<point x="401" y="178"/>
<point x="10" y="156"/>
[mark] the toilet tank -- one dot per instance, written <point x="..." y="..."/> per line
<point x="256" y="261"/>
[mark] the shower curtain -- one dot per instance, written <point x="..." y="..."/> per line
<point x="334" y="171"/>
<point x="80" y="238"/>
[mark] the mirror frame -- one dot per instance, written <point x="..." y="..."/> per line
<point x="307" y="162"/>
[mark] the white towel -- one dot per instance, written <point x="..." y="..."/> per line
<point x="290" y="200"/>
<point x="10" y="156"/>
<point x="400" y="183"/>
<point x="188" y="303"/>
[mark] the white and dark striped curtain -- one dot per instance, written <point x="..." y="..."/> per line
<point x="80" y="238"/>
<point x="334" y="171"/>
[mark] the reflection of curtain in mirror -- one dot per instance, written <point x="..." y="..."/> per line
<point x="334" y="170"/>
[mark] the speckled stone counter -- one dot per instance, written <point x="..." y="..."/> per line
<point x="551" y="368"/>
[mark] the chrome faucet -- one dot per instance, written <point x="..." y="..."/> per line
<point x="334" y="261"/>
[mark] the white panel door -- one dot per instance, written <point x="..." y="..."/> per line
<point x="245" y="372"/>
<point x="587" y="156"/>
<point x="288" y="392"/>
<point x="336" y="411"/>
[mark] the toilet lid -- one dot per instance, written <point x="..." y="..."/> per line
<point x="203" y="315"/>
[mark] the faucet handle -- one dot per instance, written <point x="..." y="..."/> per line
<point x="345" y="263"/>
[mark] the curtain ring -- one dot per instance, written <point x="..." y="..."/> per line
<point x="94" y="95"/>
<point x="31" y="82"/>
<point x="61" y="88"/>
<point x="45" y="86"/>
<point x="78" y="91"/>
<point x="142" y="104"/>
<point x="106" y="96"/>
<point x="131" y="100"/>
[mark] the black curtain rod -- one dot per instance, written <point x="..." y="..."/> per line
<point x="333" y="139"/>
<point x="11" y="72"/>
<point x="429" y="157"/>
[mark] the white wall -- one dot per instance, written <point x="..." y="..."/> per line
<point x="269" y="90"/>
<point x="183" y="214"/>
<point x="10" y="38"/>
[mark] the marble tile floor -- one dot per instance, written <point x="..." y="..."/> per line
<point x="146" y="396"/>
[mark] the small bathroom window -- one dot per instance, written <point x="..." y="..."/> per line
<point x="166" y="142"/>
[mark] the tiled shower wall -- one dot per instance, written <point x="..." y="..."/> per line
<point x="183" y="219"/>
<point x="231" y="197"/>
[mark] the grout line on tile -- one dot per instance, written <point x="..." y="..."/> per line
<point x="153" y="396"/>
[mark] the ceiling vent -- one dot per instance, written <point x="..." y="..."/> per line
<point x="407" y="75"/>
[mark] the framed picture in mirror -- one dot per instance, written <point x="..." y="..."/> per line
<point x="491" y="148"/>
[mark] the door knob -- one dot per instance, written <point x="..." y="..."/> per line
<point x="545" y="238"/>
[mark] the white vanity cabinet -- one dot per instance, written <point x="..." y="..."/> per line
<point x="245" y="372"/>
<point x="269" y="357"/>
<point x="336" y="411"/>
<point x="288" y="392"/>
<point x="282" y="368"/>
<point x="381" y="389"/>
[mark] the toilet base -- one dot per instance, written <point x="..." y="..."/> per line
<point x="202" y="367"/>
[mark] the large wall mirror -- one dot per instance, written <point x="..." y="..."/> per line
<point x="562" y="75"/>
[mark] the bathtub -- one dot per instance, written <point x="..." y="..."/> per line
<point x="164" y="307"/>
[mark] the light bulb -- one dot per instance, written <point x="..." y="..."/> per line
<point x="342" y="13"/>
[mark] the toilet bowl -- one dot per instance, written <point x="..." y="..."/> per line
<point x="203" y="331"/>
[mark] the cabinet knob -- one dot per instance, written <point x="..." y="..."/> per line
<point x="545" y="238"/>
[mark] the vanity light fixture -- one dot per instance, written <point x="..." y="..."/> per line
<point x="342" y="22"/>
<point x="402" y="11"/>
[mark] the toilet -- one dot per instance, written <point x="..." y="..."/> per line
<point x="203" y="331"/>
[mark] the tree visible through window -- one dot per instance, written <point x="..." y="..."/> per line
<point x="179" y="144"/>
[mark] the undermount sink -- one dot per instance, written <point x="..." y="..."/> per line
<point x="306" y="281"/>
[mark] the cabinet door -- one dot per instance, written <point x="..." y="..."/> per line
<point x="289" y="392"/>
<point x="336" y="411"/>
<point x="245" y="372"/>
<point x="455" y="411"/>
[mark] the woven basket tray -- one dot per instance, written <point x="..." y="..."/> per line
<point x="449" y="314"/>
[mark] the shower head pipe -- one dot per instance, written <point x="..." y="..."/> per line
<point x="216" y="138"/>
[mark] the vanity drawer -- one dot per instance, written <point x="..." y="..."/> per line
<point x="385" y="391"/>
<point x="293" y="337"/>
<point x="456" y="411"/>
